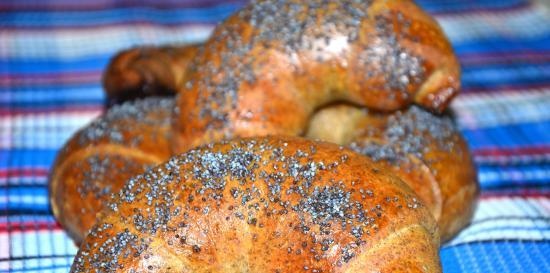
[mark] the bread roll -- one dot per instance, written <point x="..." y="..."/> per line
<point x="268" y="67"/>
<point x="424" y="150"/>
<point x="97" y="160"/>
<point x="264" y="205"/>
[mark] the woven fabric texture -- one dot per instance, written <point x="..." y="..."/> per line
<point x="52" y="54"/>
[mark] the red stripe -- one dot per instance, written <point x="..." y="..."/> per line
<point x="49" y="78"/>
<point x="498" y="58"/>
<point x="6" y="173"/>
<point x="29" y="226"/>
<point x="524" y="193"/>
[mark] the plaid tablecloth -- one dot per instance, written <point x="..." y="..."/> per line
<point x="52" y="54"/>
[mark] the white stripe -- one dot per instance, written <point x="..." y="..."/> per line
<point x="511" y="160"/>
<point x="484" y="110"/>
<point x="65" y="94"/>
<point x="524" y="175"/>
<point x="38" y="243"/>
<point x="27" y="199"/>
<point x="57" y="265"/>
<point x="4" y="247"/>
<point x="41" y="243"/>
<point x="41" y="131"/>
<point x="23" y="180"/>
<point x="77" y="43"/>
<point x="512" y="24"/>
<point x="515" y="210"/>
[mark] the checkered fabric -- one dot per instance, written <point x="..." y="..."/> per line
<point x="52" y="54"/>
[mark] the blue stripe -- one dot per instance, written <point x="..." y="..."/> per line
<point x="46" y="97"/>
<point x="496" y="45"/>
<point x="54" y="104"/>
<point x="505" y="177"/>
<point x="23" y="158"/>
<point x="30" y="199"/>
<point x="512" y="256"/>
<point x="96" y="18"/>
<point x="54" y="65"/>
<point x="466" y="5"/>
<point x="509" y="136"/>
<point x="494" y="76"/>
<point x="25" y="218"/>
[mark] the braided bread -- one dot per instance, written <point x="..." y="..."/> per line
<point x="267" y="68"/>
<point x="98" y="159"/>
<point x="263" y="205"/>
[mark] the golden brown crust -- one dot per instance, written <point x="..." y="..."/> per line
<point x="98" y="159"/>
<point x="424" y="150"/>
<point x="268" y="67"/>
<point x="264" y="205"/>
<point x="274" y="204"/>
<point x="147" y="71"/>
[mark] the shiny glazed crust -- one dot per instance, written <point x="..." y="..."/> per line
<point x="268" y="67"/>
<point x="424" y="150"/>
<point x="264" y="205"/>
<point x="147" y="71"/>
<point x="98" y="159"/>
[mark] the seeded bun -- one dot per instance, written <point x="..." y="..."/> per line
<point x="97" y="160"/>
<point x="425" y="150"/>
<point x="275" y="203"/>
<point x="264" y="205"/>
<point x="267" y="68"/>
